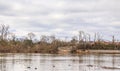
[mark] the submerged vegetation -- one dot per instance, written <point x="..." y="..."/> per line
<point x="10" y="43"/>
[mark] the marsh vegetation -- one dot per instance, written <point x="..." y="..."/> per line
<point x="10" y="43"/>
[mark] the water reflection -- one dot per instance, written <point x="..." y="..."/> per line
<point x="49" y="62"/>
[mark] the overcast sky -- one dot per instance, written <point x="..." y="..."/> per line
<point x="61" y="17"/>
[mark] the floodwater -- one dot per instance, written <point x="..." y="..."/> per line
<point x="53" y="62"/>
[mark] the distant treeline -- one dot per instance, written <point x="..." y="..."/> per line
<point x="9" y="43"/>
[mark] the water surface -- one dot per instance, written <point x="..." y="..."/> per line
<point x="53" y="62"/>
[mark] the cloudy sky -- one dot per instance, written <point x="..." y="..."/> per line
<point x="61" y="17"/>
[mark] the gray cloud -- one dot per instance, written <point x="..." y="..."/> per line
<point x="63" y="17"/>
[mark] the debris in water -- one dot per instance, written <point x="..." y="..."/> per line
<point x="53" y="66"/>
<point x="28" y="67"/>
<point x="35" y="68"/>
<point x="90" y="65"/>
<point x="110" y="67"/>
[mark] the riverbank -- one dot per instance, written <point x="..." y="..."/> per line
<point x="79" y="51"/>
<point x="99" y="51"/>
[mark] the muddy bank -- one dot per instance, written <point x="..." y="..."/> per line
<point x="99" y="51"/>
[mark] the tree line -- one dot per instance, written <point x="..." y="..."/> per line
<point x="50" y="44"/>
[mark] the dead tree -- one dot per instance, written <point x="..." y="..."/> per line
<point x="97" y="37"/>
<point x="113" y="39"/>
<point x="4" y="30"/>
<point x="31" y="36"/>
<point x="81" y="36"/>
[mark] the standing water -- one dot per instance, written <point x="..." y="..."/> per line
<point x="53" y="62"/>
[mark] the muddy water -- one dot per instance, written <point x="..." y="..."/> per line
<point x="50" y="62"/>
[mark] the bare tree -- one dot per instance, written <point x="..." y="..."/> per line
<point x="97" y="37"/>
<point x="113" y="39"/>
<point x="88" y="37"/>
<point x="4" y="30"/>
<point x="81" y="36"/>
<point x="52" y="38"/>
<point x="12" y="36"/>
<point x="74" y="40"/>
<point x="44" y="38"/>
<point x="31" y="35"/>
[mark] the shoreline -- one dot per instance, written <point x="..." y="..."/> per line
<point x="99" y="51"/>
<point x="80" y="51"/>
